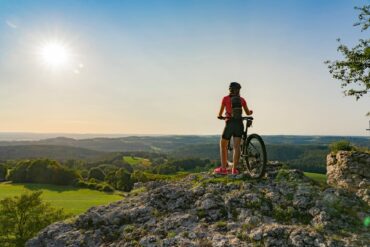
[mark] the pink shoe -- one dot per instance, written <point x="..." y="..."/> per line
<point x="220" y="170"/>
<point x="234" y="171"/>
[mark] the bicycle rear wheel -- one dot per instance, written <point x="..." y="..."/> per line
<point x="255" y="157"/>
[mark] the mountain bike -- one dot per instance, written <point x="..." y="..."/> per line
<point x="253" y="157"/>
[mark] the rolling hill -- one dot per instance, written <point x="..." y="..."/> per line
<point x="60" y="153"/>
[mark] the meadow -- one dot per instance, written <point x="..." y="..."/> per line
<point x="73" y="200"/>
<point x="136" y="161"/>
<point x="320" y="178"/>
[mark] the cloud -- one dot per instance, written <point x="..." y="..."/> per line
<point x="11" y="24"/>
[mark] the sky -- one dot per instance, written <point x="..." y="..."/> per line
<point x="162" y="67"/>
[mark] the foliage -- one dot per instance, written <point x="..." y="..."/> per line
<point x="123" y="165"/>
<point x="74" y="164"/>
<point x="139" y="176"/>
<point x="354" y="69"/>
<point x="42" y="171"/>
<point x="343" y="145"/>
<point x="22" y="217"/>
<point x="283" y="215"/>
<point x="309" y="158"/>
<point x="120" y="179"/>
<point x="188" y="164"/>
<point x="164" y="169"/>
<point x="46" y="149"/>
<point x="96" y="173"/>
<point x="282" y="174"/>
<point x="3" y="172"/>
<point x="95" y="185"/>
<point x="84" y="173"/>
<point x="107" y="168"/>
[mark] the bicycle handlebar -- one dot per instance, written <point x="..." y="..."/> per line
<point x="243" y="118"/>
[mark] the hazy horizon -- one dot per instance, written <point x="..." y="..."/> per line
<point x="33" y="136"/>
<point x="162" y="67"/>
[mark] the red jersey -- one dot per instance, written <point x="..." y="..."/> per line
<point x="226" y="101"/>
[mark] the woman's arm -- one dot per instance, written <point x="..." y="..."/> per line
<point x="247" y="111"/>
<point x="222" y="108"/>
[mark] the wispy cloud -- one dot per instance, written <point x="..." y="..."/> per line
<point x="11" y="24"/>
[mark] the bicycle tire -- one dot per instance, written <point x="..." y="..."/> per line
<point x="259" y="156"/>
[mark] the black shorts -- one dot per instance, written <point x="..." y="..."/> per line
<point x="233" y="128"/>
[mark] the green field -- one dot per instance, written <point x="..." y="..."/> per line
<point x="136" y="160"/>
<point x="320" y="178"/>
<point x="73" y="200"/>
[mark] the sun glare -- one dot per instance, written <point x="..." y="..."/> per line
<point x="54" y="54"/>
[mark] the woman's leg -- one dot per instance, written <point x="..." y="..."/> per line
<point x="223" y="152"/>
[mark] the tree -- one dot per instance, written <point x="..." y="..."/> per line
<point x="96" y="173"/>
<point x="120" y="179"/>
<point x="22" y="217"/>
<point x="42" y="171"/>
<point x="354" y="69"/>
<point x="139" y="176"/>
<point x="3" y="172"/>
<point x="165" y="169"/>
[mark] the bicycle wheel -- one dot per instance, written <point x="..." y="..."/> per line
<point x="255" y="157"/>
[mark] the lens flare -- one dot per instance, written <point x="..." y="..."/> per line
<point x="367" y="221"/>
<point x="54" y="54"/>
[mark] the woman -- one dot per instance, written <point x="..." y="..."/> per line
<point x="233" y="104"/>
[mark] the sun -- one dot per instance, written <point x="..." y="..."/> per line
<point x="54" y="54"/>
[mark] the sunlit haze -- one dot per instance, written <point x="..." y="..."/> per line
<point x="54" y="54"/>
<point x="162" y="67"/>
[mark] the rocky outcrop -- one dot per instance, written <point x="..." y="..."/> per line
<point x="201" y="210"/>
<point x="351" y="171"/>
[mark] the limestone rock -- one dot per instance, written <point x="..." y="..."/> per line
<point x="351" y="171"/>
<point x="204" y="211"/>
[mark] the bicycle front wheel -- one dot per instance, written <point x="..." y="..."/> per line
<point x="255" y="156"/>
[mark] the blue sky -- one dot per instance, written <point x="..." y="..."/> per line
<point x="162" y="67"/>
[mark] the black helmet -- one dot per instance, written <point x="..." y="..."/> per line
<point x="235" y="85"/>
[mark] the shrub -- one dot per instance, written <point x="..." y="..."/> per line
<point x="165" y="169"/>
<point x="35" y="215"/>
<point x="138" y="176"/>
<point x="101" y="186"/>
<point x="3" y="172"/>
<point x="42" y="171"/>
<point x="84" y="173"/>
<point x="123" y="165"/>
<point x="97" y="174"/>
<point x="341" y="146"/>
<point x="107" y="168"/>
<point x="121" y="180"/>
<point x="107" y="188"/>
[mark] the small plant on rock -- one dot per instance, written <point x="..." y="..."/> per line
<point x="283" y="215"/>
<point x="221" y="225"/>
<point x="171" y="234"/>
<point x="341" y="146"/>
